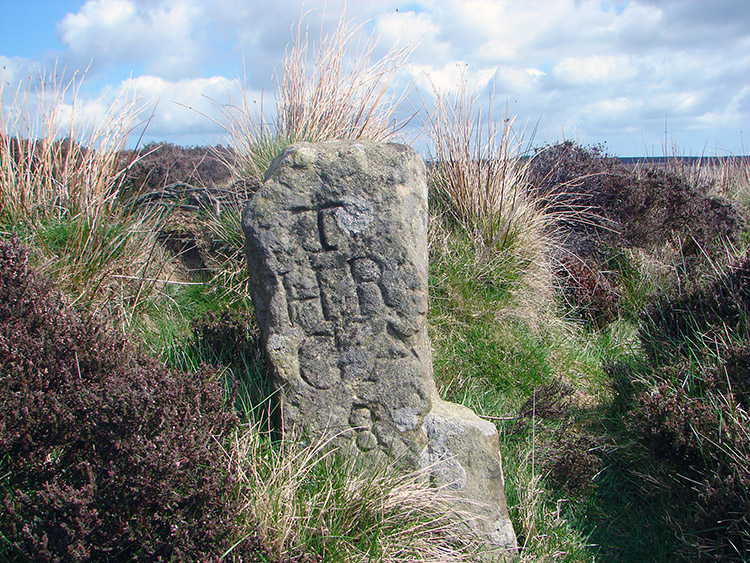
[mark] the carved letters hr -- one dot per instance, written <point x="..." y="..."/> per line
<point x="339" y="308"/>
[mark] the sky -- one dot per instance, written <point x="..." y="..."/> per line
<point x="636" y="76"/>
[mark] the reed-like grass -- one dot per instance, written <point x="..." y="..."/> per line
<point x="312" y="501"/>
<point x="544" y="532"/>
<point x="480" y="178"/>
<point x="335" y="88"/>
<point x="481" y="193"/>
<point x="60" y="180"/>
<point x="331" y="88"/>
<point x="58" y="159"/>
<point x="228" y="261"/>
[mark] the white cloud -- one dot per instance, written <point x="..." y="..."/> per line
<point x="595" y="69"/>
<point x="158" y="34"/>
<point x="419" y="30"/>
<point x="589" y="66"/>
<point x="188" y="107"/>
<point x="15" y="69"/>
<point x="611" y="114"/>
<point x="430" y="79"/>
<point x="519" y="80"/>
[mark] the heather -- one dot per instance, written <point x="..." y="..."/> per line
<point x="107" y="455"/>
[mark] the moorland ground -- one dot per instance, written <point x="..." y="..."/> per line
<point x="595" y="311"/>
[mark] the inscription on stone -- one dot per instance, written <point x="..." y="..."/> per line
<point x="337" y="254"/>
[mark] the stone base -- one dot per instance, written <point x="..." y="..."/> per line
<point x="462" y="453"/>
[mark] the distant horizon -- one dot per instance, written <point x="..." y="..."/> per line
<point x="625" y="159"/>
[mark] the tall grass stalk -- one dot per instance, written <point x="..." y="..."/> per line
<point x="311" y="500"/>
<point x="479" y="176"/>
<point x="57" y="161"/>
<point x="727" y="175"/>
<point x="60" y="180"/>
<point x="731" y="177"/>
<point x="332" y="89"/>
<point x="481" y="190"/>
<point x="544" y="531"/>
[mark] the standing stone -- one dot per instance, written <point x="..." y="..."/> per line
<point x="338" y="260"/>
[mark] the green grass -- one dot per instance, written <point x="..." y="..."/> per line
<point x="497" y="336"/>
<point x="60" y="195"/>
<point x="492" y="357"/>
<point x="312" y="501"/>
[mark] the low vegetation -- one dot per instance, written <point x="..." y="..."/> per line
<point x="106" y="456"/>
<point x="61" y="193"/>
<point x="596" y="312"/>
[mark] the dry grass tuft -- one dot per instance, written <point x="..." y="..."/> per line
<point x="308" y="499"/>
<point x="332" y="89"/>
<point x="481" y="188"/>
<point x="479" y="175"/>
<point x="60" y="183"/>
<point x="54" y="161"/>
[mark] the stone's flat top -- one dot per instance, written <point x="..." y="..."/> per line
<point x="448" y="414"/>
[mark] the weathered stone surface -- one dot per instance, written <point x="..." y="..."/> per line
<point x="463" y="449"/>
<point x="337" y="252"/>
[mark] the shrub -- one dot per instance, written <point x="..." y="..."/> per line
<point x="648" y="209"/>
<point x="580" y="182"/>
<point x="589" y="290"/>
<point x="106" y="456"/>
<point x="571" y="463"/>
<point x="605" y="211"/>
<point x="688" y="412"/>
<point x="672" y="424"/>
<point x="568" y="164"/>
<point x="661" y="207"/>
<point x="227" y="336"/>
<point x="698" y="452"/>
<point x="688" y="322"/>
<point x="159" y="164"/>
<point x="549" y="401"/>
<point x="736" y="367"/>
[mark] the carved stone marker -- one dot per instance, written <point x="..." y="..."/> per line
<point x="338" y="260"/>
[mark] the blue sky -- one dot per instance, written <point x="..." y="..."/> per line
<point x="596" y="72"/>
